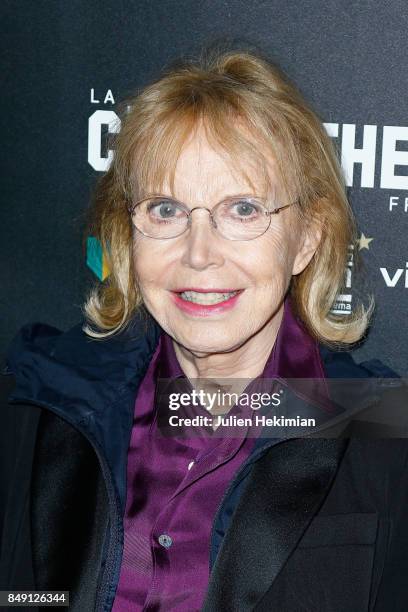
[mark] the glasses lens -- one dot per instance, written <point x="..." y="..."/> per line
<point x="241" y="219"/>
<point x="160" y="217"/>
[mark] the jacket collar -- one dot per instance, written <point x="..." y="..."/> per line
<point x="77" y="375"/>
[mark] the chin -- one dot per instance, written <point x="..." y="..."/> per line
<point x="201" y="343"/>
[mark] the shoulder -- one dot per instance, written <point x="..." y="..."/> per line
<point x="63" y="366"/>
<point x="343" y="364"/>
<point x="374" y="398"/>
<point x="41" y="346"/>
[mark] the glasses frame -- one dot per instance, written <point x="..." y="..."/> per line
<point x="260" y="200"/>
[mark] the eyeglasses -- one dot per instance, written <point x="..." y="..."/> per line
<point x="235" y="218"/>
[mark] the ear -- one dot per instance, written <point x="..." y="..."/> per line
<point x="309" y="240"/>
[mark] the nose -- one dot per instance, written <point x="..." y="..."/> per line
<point x="202" y="243"/>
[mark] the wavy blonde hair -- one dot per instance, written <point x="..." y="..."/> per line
<point x="225" y="90"/>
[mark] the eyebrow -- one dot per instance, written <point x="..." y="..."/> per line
<point x="233" y="195"/>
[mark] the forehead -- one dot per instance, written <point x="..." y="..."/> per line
<point x="207" y="170"/>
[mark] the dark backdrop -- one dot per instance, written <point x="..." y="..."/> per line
<point x="66" y="61"/>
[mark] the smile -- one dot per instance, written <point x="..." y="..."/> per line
<point x="205" y="302"/>
<point x="206" y="298"/>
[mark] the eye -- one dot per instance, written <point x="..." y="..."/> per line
<point x="162" y="209"/>
<point x="244" y="209"/>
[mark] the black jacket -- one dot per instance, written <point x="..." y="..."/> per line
<point x="306" y="524"/>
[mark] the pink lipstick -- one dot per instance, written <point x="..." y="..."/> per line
<point x="205" y="310"/>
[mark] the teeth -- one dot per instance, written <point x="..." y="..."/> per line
<point x="206" y="298"/>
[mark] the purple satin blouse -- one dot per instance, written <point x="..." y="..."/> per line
<point x="175" y="484"/>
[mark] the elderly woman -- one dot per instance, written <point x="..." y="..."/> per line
<point x="226" y="228"/>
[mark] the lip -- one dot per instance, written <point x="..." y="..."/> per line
<point x="205" y="310"/>
<point x="201" y="290"/>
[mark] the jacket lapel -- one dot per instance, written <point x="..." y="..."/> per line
<point x="287" y="486"/>
<point x="69" y="513"/>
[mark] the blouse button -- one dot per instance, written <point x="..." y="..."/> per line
<point x="165" y="540"/>
<point x="190" y="465"/>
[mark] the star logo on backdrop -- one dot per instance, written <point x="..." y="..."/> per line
<point x="363" y="242"/>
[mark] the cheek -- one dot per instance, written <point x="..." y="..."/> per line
<point x="139" y="253"/>
<point x="272" y="263"/>
<point x="147" y="264"/>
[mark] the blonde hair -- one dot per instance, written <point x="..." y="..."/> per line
<point x="225" y="90"/>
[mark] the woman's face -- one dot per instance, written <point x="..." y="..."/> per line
<point x="202" y="259"/>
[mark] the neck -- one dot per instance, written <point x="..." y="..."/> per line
<point x="247" y="361"/>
